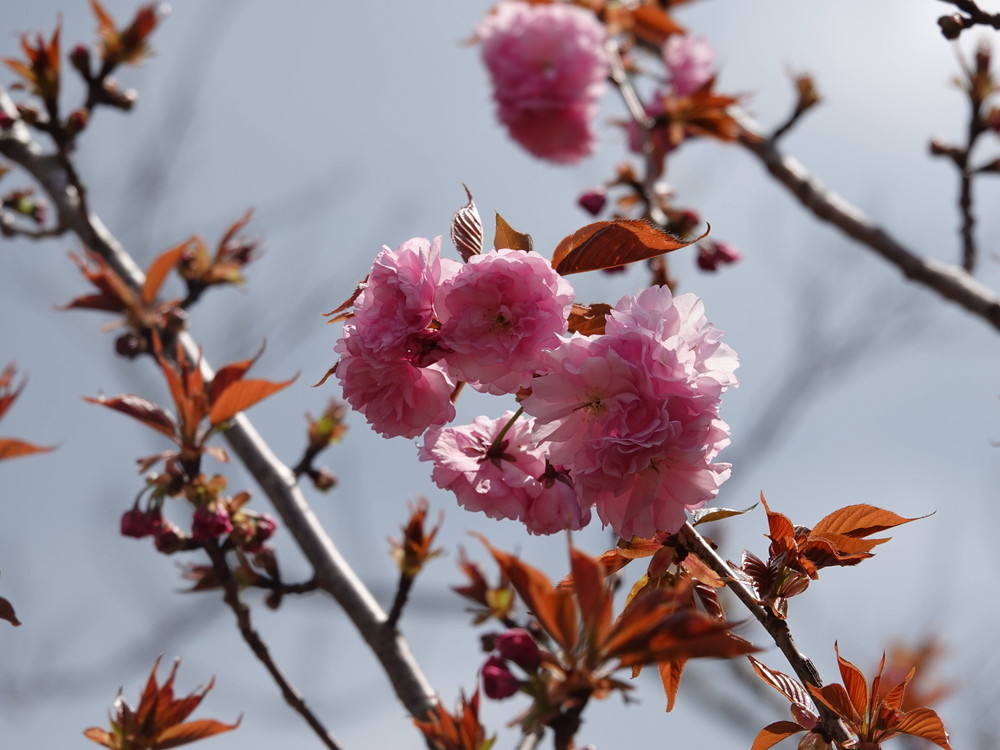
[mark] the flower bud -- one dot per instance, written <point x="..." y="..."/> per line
<point x="498" y="681"/>
<point x="518" y="646"/>
<point x="711" y="255"/>
<point x="210" y="523"/>
<point x="79" y="56"/>
<point x="77" y="121"/>
<point x="169" y="538"/>
<point x="951" y="26"/>
<point x="129" y="345"/>
<point x="6" y="121"/>
<point x="323" y="479"/>
<point x="138" y="523"/>
<point x="593" y="200"/>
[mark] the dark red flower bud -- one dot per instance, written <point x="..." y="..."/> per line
<point x="79" y="56"/>
<point x="169" y="539"/>
<point x="518" y="646"/>
<point x="593" y="200"/>
<point x="498" y="681"/>
<point x="210" y="523"/>
<point x="6" y="121"/>
<point x="139" y="523"/>
<point x="712" y="254"/>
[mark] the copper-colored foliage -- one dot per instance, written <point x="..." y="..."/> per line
<point x="227" y="394"/>
<point x="658" y="625"/>
<point x="458" y="731"/>
<point x="126" y="45"/>
<point x="13" y="447"/>
<point x="494" y="601"/>
<point x="652" y="24"/>
<point x="508" y="237"/>
<point x="226" y="266"/>
<point x="415" y="549"/>
<point x="702" y="112"/>
<point x="158" y="723"/>
<point x="872" y="714"/>
<point x="605" y="244"/>
<point x="41" y="71"/>
<point x="797" y="553"/>
<point x="588" y="320"/>
<point x="467" y="229"/>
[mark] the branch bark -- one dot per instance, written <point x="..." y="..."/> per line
<point x="951" y="282"/>
<point x="333" y="574"/>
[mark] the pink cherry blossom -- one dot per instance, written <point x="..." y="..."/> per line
<point x="633" y="414"/>
<point x="498" y="314"/>
<point x="397" y="397"/>
<point x="548" y="66"/>
<point x="690" y="62"/>
<point x="394" y="312"/>
<point x="511" y="480"/>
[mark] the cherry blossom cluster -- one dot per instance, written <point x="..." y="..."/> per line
<point x="625" y="423"/>
<point x="548" y="66"/>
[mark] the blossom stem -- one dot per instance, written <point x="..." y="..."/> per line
<point x="498" y="440"/>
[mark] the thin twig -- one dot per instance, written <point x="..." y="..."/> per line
<point x="332" y="572"/>
<point x="775" y="627"/>
<point x="231" y="595"/>
<point x="976" y="14"/>
<point x="645" y="123"/>
<point x="951" y="282"/>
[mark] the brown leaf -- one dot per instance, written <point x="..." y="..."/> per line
<point x="242" y="395"/>
<point x="592" y="593"/>
<point x="139" y="408"/>
<point x="588" y="320"/>
<point x="14" y="448"/>
<point x="7" y="612"/>
<point x="100" y="736"/>
<point x="191" y="731"/>
<point x="228" y="375"/>
<point x="859" y="520"/>
<point x="653" y="25"/>
<point x="774" y="733"/>
<point x="159" y="269"/>
<point x="788" y="686"/>
<point x="670" y="675"/>
<point x="835" y="698"/>
<point x="507" y="237"/>
<point x="605" y="244"/>
<point x="854" y="682"/>
<point x="467" y="229"/>
<point x="924" y="723"/>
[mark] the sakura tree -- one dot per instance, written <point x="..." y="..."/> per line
<point x="562" y="380"/>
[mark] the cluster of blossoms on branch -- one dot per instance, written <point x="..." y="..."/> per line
<point x="624" y="420"/>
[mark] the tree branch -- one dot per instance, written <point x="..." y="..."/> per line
<point x="951" y="282"/>
<point x="775" y="627"/>
<point x="332" y="572"/>
<point x="231" y="595"/>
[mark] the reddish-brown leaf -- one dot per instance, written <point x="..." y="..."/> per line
<point x="924" y="723"/>
<point x="228" y="375"/>
<point x="605" y="244"/>
<point x="508" y="237"/>
<point x="588" y="320"/>
<point x="181" y="734"/>
<point x="894" y="698"/>
<point x="7" y="612"/>
<point x="139" y="408"/>
<point x="670" y="675"/>
<point x="338" y="314"/>
<point x="467" y="229"/>
<point x="554" y="608"/>
<point x="242" y="395"/>
<point x="653" y="25"/>
<point x="159" y="269"/>
<point x="854" y="682"/>
<point x="14" y="448"/>
<point x="859" y="521"/>
<point x="98" y="735"/>
<point x="592" y="594"/>
<point x="788" y="686"/>
<point x="835" y="698"/>
<point x="774" y="733"/>
<point x="102" y="301"/>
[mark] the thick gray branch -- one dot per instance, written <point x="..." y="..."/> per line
<point x="949" y="281"/>
<point x="333" y="573"/>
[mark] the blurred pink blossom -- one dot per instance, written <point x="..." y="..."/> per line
<point x="633" y="414"/>
<point x="690" y="62"/>
<point x="548" y="66"/>
<point x="498" y="314"/>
